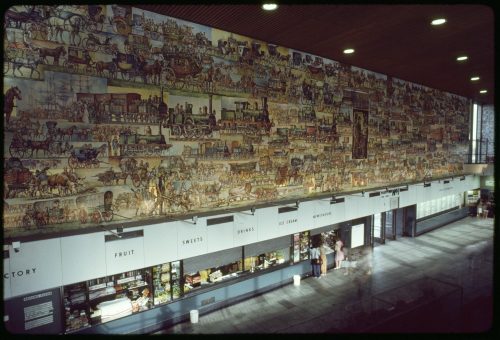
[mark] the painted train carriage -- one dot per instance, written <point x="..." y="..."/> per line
<point x="245" y="118"/>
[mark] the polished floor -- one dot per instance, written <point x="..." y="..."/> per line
<point x="454" y="262"/>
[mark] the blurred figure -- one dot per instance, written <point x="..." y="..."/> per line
<point x="339" y="254"/>
<point x="324" y="267"/>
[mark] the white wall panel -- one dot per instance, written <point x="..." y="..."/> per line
<point x="191" y="238"/>
<point x="357" y="235"/>
<point x="37" y="266"/>
<point x="268" y="223"/>
<point x="351" y="207"/>
<point x="245" y="229"/>
<point x="408" y="197"/>
<point x="160" y="243"/>
<point x="379" y="204"/>
<point x="425" y="193"/>
<point x="220" y="236"/>
<point x="323" y="213"/>
<point x="288" y="223"/>
<point x="124" y="254"/>
<point x="338" y="212"/>
<point x="307" y="212"/>
<point x="6" y="278"/>
<point x="83" y="257"/>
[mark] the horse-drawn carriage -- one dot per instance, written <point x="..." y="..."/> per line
<point x="16" y="177"/>
<point x="181" y="71"/>
<point x="127" y="65"/>
<point x="94" y="43"/>
<point x="77" y="57"/>
<point x="86" y="156"/>
<point x="89" y="211"/>
<point x="22" y="148"/>
<point x="19" y="55"/>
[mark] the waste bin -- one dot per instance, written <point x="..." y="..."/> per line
<point x="193" y="315"/>
<point x="296" y="280"/>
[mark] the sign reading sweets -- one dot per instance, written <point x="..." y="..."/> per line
<point x="192" y="238"/>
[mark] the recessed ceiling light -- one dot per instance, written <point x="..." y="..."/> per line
<point x="462" y="58"/>
<point x="349" y="51"/>
<point x="474" y="78"/>
<point x="483" y="91"/>
<point x="269" y="7"/>
<point x="439" y="21"/>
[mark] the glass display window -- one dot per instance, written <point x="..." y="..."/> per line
<point x="208" y="276"/>
<point x="267" y="260"/>
<point x="107" y="298"/>
<point x="203" y="270"/>
<point x="76" y="308"/>
<point x="162" y="283"/>
<point x="175" y="279"/>
<point x="329" y="238"/>
<point x="301" y="246"/>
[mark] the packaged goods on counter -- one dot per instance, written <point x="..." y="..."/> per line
<point x="111" y="310"/>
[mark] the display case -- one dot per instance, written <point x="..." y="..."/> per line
<point x="211" y="275"/>
<point x="76" y="308"/>
<point x="175" y="279"/>
<point x="301" y="246"/>
<point x="166" y="282"/>
<point x="107" y="298"/>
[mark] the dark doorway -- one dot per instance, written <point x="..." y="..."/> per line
<point x="388" y="221"/>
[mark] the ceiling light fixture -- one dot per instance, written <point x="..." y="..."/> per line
<point x="483" y="91"/>
<point x="462" y="58"/>
<point x="439" y="21"/>
<point x="349" y="51"/>
<point x="269" y="7"/>
<point x="474" y="78"/>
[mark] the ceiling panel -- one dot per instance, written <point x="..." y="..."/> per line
<point x="396" y="40"/>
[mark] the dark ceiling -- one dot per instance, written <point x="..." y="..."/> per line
<point x="396" y="40"/>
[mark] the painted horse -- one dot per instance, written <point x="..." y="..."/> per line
<point x="13" y="93"/>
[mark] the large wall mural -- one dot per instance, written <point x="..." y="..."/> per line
<point x="115" y="114"/>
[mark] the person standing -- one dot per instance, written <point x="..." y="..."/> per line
<point x="480" y="209"/>
<point x="315" y="262"/>
<point x="324" y="266"/>
<point x="339" y="254"/>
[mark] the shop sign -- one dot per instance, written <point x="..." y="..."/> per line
<point x="288" y="221"/>
<point x="124" y="255"/>
<point x="19" y="273"/>
<point x="245" y="230"/>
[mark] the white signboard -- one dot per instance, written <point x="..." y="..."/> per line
<point x="244" y="229"/>
<point x="192" y="238"/>
<point x="82" y="257"/>
<point x="30" y="272"/>
<point x="288" y="223"/>
<point x="6" y="279"/>
<point x="124" y="255"/>
<point x="307" y="212"/>
<point x="220" y="236"/>
<point x="322" y="213"/>
<point x="357" y="235"/>
<point x="268" y="222"/>
<point x="160" y="240"/>
<point x="338" y="212"/>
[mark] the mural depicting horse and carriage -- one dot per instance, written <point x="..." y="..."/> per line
<point x="115" y="114"/>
